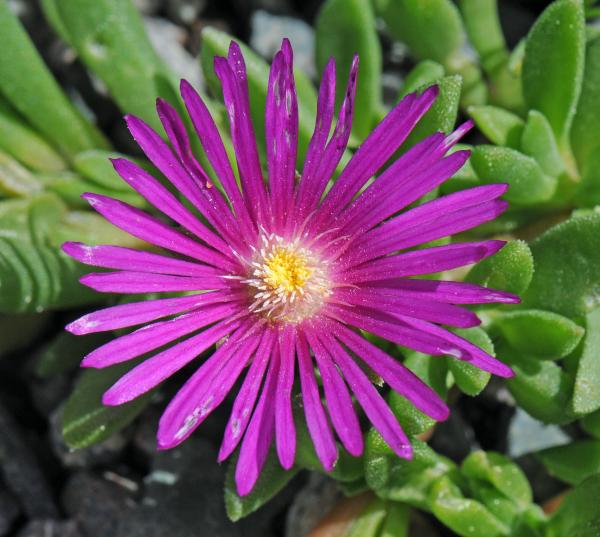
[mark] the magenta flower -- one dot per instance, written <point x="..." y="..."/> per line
<point x="284" y="272"/>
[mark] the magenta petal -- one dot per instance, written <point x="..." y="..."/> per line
<point x="316" y="418"/>
<point x="151" y="372"/>
<point x="118" y="257"/>
<point x="281" y="130"/>
<point x="212" y="143"/>
<point x="285" y="429"/>
<point x="246" y="397"/>
<point x="144" y="282"/>
<point x="206" y="388"/>
<point x="258" y="437"/>
<point x="149" y="229"/>
<point x="399" y="377"/>
<point x="425" y="261"/>
<point x="154" y="336"/>
<point x="199" y="192"/>
<point x="166" y="202"/>
<point x="134" y="313"/>
<point x="339" y="403"/>
<point x="375" y="407"/>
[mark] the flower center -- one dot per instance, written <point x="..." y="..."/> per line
<point x="287" y="281"/>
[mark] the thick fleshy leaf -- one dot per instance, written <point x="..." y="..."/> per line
<point x="572" y="462"/>
<point x="511" y="269"/>
<point x="578" y="515"/>
<point x="344" y="28"/>
<point x="543" y="334"/>
<point x="272" y="479"/>
<point x="110" y="38"/>
<point x="500" y="126"/>
<point x="86" y="421"/>
<point x="469" y="378"/>
<point x="30" y="88"/>
<point x="586" y="390"/>
<point x="501" y="473"/>
<point x="538" y="141"/>
<point x="566" y="277"/>
<point x="462" y="515"/>
<point x="553" y="64"/>
<point x="528" y="183"/>
<point x="422" y="75"/>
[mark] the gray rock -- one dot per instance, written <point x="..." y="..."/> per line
<point x="96" y="504"/>
<point x="311" y="503"/>
<point x="21" y="471"/>
<point x="454" y="437"/>
<point x="184" y="497"/>
<point x="95" y="455"/>
<point x="268" y="30"/>
<point x="527" y="434"/>
<point x="51" y="528"/>
<point x="9" y="511"/>
<point x="167" y="39"/>
<point x="147" y="7"/>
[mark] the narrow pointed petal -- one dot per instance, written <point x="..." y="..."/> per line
<point x="442" y="291"/>
<point x="400" y="378"/>
<point x="143" y="282"/>
<point x="310" y="193"/>
<point x="149" y="229"/>
<point x="376" y="150"/>
<point x="339" y="403"/>
<point x="285" y="430"/>
<point x="151" y="372"/>
<point x="425" y="261"/>
<point x="134" y="313"/>
<point x="200" y="193"/>
<point x="316" y="418"/>
<point x="154" y="336"/>
<point x="235" y="94"/>
<point x="281" y="130"/>
<point x="258" y="437"/>
<point x="205" y="389"/>
<point x="213" y="146"/>
<point x="375" y="407"/>
<point x="119" y="257"/>
<point x="246" y="397"/>
<point x="166" y="202"/>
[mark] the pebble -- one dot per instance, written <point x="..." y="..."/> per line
<point x="51" y="528"/>
<point x="9" y="511"/>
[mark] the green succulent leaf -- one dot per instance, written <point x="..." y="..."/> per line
<point x="422" y="75"/>
<point x="343" y="28"/>
<point x="397" y="521"/>
<point x="441" y="117"/>
<point x="462" y="515"/>
<point x="578" y="515"/>
<point x="216" y="43"/>
<point x="26" y="145"/>
<point x="500" y="126"/>
<point x="30" y="88"/>
<point x="553" y="64"/>
<point x="370" y="520"/>
<point x="469" y="378"/>
<point x="110" y="38"/>
<point x="566" y="278"/>
<point x="15" y="179"/>
<point x="591" y="424"/>
<point x="572" y="462"/>
<point x="528" y="183"/>
<point x="485" y="33"/>
<point x="538" y="141"/>
<point x="586" y="390"/>
<point x="511" y="269"/>
<point x="539" y="333"/>
<point x="499" y="471"/>
<point x="272" y="479"/>
<point x="85" y="420"/>
<point x="95" y="166"/>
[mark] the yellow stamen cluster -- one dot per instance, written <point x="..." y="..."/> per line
<point x="287" y="282"/>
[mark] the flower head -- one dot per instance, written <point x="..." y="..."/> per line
<point x="283" y="274"/>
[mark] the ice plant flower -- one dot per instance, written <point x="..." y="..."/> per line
<point x="282" y="275"/>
